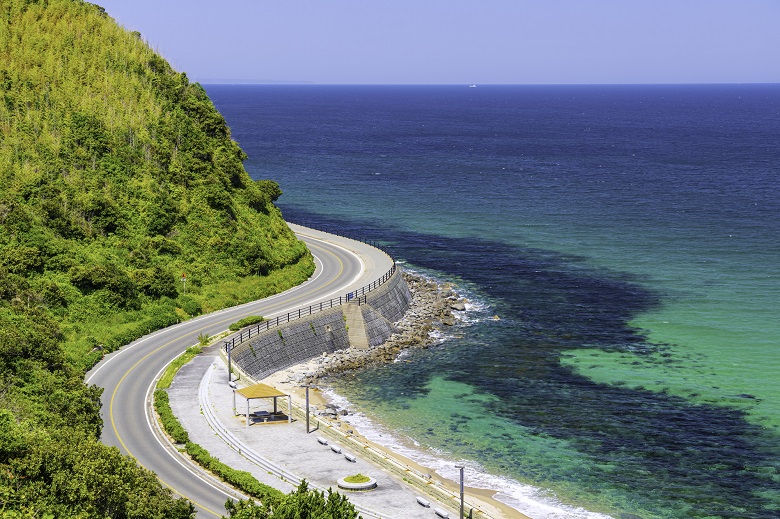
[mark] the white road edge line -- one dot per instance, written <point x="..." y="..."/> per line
<point x="178" y="460"/>
<point x="318" y="273"/>
<point x="148" y="400"/>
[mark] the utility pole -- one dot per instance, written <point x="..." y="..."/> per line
<point x="228" y="348"/>
<point x="307" y="409"/>
<point x="461" y="467"/>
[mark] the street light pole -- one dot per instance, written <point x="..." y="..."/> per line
<point x="307" y="409"/>
<point x="461" y="467"/>
<point x="228" y="348"/>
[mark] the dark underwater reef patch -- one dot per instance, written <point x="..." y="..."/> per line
<point x="673" y="456"/>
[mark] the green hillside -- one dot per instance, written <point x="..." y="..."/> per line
<point x="117" y="176"/>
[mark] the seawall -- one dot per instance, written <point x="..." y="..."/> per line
<point x="327" y="331"/>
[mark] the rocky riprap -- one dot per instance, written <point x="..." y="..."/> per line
<point x="434" y="306"/>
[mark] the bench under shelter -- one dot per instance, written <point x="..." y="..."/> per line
<point x="261" y="391"/>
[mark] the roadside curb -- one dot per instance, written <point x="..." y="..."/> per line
<point x="167" y="443"/>
<point x="248" y="453"/>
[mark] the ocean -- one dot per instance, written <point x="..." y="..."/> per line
<point x="620" y="250"/>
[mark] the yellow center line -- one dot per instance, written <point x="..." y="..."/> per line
<point x="121" y="380"/>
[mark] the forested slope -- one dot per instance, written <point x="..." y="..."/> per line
<point x="117" y="175"/>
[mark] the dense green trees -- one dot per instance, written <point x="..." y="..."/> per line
<point x="303" y="503"/>
<point x="117" y="175"/>
<point x="66" y="473"/>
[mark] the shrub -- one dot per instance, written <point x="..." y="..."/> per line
<point x="154" y="318"/>
<point x="169" y="422"/>
<point x="270" y="188"/>
<point x="117" y="286"/>
<point x="242" y="480"/>
<point x="189" y="305"/>
<point x="246" y="321"/>
<point x="155" y="282"/>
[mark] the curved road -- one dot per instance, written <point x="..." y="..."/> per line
<point x="128" y="375"/>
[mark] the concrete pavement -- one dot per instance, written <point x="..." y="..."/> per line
<point x="200" y="394"/>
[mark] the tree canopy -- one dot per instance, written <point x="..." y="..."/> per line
<point x="302" y="503"/>
<point x="118" y="179"/>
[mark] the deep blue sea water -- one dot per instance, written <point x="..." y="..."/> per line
<point x="628" y="239"/>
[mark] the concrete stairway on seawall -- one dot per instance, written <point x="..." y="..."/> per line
<point x="356" y="326"/>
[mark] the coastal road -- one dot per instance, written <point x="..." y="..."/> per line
<point x="128" y="375"/>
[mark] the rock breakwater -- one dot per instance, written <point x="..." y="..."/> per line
<point x="435" y="306"/>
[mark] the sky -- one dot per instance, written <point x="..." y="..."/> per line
<point x="461" y="41"/>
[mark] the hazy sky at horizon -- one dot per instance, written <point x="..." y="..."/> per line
<point x="462" y="41"/>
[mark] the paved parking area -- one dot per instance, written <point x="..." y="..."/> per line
<point x="285" y="445"/>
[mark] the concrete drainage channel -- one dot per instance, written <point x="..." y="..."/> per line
<point x="250" y="454"/>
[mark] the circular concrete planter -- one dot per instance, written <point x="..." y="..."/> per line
<point x="368" y="485"/>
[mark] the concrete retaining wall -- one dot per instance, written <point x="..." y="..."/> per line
<point x="392" y="299"/>
<point x="292" y="343"/>
<point x="323" y="332"/>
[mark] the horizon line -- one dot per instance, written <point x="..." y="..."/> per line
<point x="311" y="83"/>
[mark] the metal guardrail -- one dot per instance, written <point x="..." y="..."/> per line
<point x="411" y="475"/>
<point x="247" y="452"/>
<point x="357" y="296"/>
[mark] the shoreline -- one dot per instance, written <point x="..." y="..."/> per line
<point x="483" y="498"/>
<point x="435" y="306"/>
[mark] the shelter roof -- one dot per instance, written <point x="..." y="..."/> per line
<point x="260" y="391"/>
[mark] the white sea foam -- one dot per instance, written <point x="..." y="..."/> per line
<point x="529" y="500"/>
<point x="401" y="355"/>
<point x="477" y="309"/>
<point x="439" y="336"/>
<point x="476" y="305"/>
<point x="534" y="502"/>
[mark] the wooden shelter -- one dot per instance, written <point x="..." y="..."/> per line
<point x="261" y="391"/>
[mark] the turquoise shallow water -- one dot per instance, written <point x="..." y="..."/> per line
<point x="626" y="236"/>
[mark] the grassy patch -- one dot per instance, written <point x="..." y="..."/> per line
<point x="357" y="478"/>
<point x="173" y="367"/>
<point x="246" y="321"/>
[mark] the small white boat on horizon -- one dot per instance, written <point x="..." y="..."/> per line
<point x="472" y="86"/>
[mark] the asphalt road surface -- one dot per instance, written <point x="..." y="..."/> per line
<point x="128" y="375"/>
